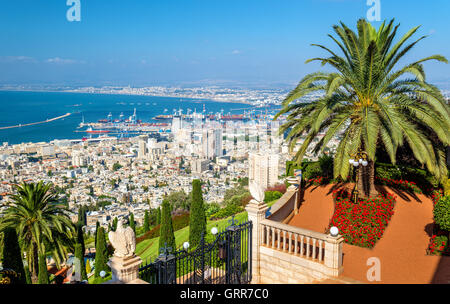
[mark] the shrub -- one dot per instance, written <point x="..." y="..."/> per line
<point x="291" y="166"/>
<point x="178" y="221"/>
<point x="439" y="245"/>
<point x="270" y="196"/>
<point x="312" y="170"/>
<point x="399" y="184"/>
<point x="421" y="177"/>
<point x="211" y="209"/>
<point x="441" y="213"/>
<point x="226" y="212"/>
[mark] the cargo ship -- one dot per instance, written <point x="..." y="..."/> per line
<point x="91" y="131"/>
<point x="163" y="117"/>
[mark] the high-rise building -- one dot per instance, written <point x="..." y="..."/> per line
<point x="263" y="169"/>
<point x="176" y="124"/>
<point x="212" y="143"/>
<point x="142" y="149"/>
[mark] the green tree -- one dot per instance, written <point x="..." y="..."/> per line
<point x="370" y="102"/>
<point x="158" y="216"/>
<point x="79" y="255"/>
<point x="114" y="224"/>
<point x="80" y="237"/>
<point x="167" y="236"/>
<point x="132" y="222"/>
<point x="41" y="223"/>
<point x="101" y="253"/>
<point x="12" y="255"/>
<point x="146" y="222"/>
<point x="97" y="225"/>
<point x="197" y="223"/>
<point x="43" y="273"/>
<point x="88" y="267"/>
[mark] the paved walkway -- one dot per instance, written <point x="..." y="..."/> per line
<point x="401" y="250"/>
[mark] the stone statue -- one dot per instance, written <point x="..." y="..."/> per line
<point x="123" y="241"/>
<point x="257" y="192"/>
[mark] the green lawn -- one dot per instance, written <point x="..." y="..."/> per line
<point x="148" y="249"/>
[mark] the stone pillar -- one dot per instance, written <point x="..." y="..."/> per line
<point x="125" y="270"/>
<point x="256" y="213"/>
<point x="333" y="255"/>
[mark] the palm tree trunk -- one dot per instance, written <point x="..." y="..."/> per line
<point x="34" y="265"/>
<point x="361" y="187"/>
<point x="371" y="177"/>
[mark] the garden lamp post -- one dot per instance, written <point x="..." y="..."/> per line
<point x="357" y="159"/>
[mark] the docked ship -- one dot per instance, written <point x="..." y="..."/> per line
<point x="91" y="131"/>
<point x="163" y="117"/>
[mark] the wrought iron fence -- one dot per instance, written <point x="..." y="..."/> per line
<point x="225" y="260"/>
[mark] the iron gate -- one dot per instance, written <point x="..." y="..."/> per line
<point x="225" y="260"/>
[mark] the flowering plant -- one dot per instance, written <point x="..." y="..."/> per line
<point x="399" y="183"/>
<point x="363" y="223"/>
<point x="316" y="181"/>
<point x="439" y="245"/>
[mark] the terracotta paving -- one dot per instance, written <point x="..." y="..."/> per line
<point x="401" y="251"/>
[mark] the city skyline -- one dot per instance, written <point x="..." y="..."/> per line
<point x="191" y="44"/>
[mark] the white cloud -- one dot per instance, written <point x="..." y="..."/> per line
<point x="58" y="60"/>
<point x="236" y="52"/>
<point x="17" y="59"/>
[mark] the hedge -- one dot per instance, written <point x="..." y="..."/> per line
<point x="441" y="213"/>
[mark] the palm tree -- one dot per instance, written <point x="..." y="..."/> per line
<point x="42" y="225"/>
<point x="370" y="102"/>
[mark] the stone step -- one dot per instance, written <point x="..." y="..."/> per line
<point x="339" y="280"/>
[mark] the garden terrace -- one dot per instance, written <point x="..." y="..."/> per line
<point x="401" y="249"/>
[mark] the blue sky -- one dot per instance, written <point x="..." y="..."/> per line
<point x="192" y="42"/>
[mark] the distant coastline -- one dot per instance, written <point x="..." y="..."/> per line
<point x="112" y="92"/>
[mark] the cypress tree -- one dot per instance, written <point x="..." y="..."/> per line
<point x="43" y="274"/>
<point x="80" y="238"/>
<point x="101" y="253"/>
<point x="12" y="255"/>
<point x="79" y="254"/>
<point x="146" y="222"/>
<point x="88" y="267"/>
<point x="97" y="225"/>
<point x="158" y="216"/>
<point x="197" y="221"/>
<point x="132" y="222"/>
<point x="166" y="236"/>
<point x="114" y="224"/>
<point x="27" y="276"/>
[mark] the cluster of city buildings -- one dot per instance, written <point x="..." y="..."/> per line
<point x="119" y="176"/>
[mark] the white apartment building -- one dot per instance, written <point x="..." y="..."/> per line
<point x="263" y="169"/>
<point x="212" y="143"/>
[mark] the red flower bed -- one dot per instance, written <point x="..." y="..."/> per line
<point x="439" y="242"/>
<point x="399" y="184"/>
<point x="439" y="245"/>
<point x="436" y="196"/>
<point x="316" y="181"/>
<point x="280" y="188"/>
<point x="364" y="223"/>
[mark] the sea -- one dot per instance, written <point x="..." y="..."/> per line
<point x="18" y="107"/>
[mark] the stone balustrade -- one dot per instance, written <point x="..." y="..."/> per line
<point x="297" y="241"/>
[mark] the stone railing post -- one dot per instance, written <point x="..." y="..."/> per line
<point x="256" y="213"/>
<point x="334" y="254"/>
